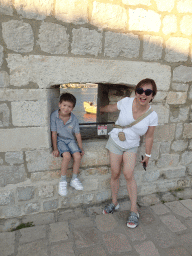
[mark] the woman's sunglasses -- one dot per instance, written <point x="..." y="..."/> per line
<point x="141" y="91"/>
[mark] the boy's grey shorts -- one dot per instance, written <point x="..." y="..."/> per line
<point x="68" y="146"/>
<point x="114" y="148"/>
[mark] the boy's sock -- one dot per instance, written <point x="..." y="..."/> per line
<point x="74" y="176"/>
<point x="63" y="178"/>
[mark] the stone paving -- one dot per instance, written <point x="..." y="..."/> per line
<point x="164" y="230"/>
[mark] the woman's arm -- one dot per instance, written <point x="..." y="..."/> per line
<point x="109" y="108"/>
<point x="54" y="142"/>
<point x="79" y="141"/>
<point x="148" y="143"/>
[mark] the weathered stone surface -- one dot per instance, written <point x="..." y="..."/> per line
<point x="25" y="193"/>
<point x="4" y="115"/>
<point x="18" y="36"/>
<point x="31" y="208"/>
<point x="7" y="241"/>
<point x="179" y="145"/>
<point x="185" y="25"/>
<point x="177" y="49"/>
<point x="86" y="41"/>
<point x="59" y="231"/>
<point x="164" y="133"/>
<point x="94" y="184"/>
<point x="63" y="249"/>
<point x="14" y="157"/>
<point x="179" y="209"/>
<point x="176" y="98"/>
<point x="45" y="191"/>
<point x="103" y="196"/>
<point x="102" y="16"/>
<point x="36" y="248"/>
<point x="184" y="6"/>
<point x="21" y="138"/>
<point x="32" y="234"/>
<point x="72" y="11"/>
<point x="116" y="243"/>
<point x="53" y="38"/>
<point x="125" y="45"/>
<point x="186" y="158"/>
<point x="29" y="113"/>
<point x="173" y="172"/>
<point x="187" y="132"/>
<point x="169" y="24"/>
<point x="11" y="211"/>
<point x="105" y="223"/>
<point x="146" y="189"/>
<point x="163" y="5"/>
<point x="50" y="205"/>
<point x="136" y="2"/>
<point x="12" y="174"/>
<point x="46" y="71"/>
<point x="172" y="223"/>
<point x="180" y="87"/>
<point x="6" y="7"/>
<point x="35" y="9"/>
<point x="168" y="160"/>
<point x="160" y="209"/>
<point x="152" y="47"/>
<point x="140" y="20"/>
<point x="40" y="218"/>
<point x="179" y="131"/>
<point x="179" y="114"/>
<point x="187" y="203"/>
<point x="6" y="198"/>
<point x="162" y="112"/>
<point x="4" y="77"/>
<point x="160" y="97"/>
<point x="190" y="93"/>
<point x="148" y="247"/>
<point x="182" y="74"/>
<point x="1" y="55"/>
<point x="165" y="147"/>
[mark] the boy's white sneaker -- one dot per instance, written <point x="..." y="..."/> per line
<point x="62" y="188"/>
<point x="76" y="183"/>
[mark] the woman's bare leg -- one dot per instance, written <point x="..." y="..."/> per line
<point x="115" y="161"/>
<point x="129" y="160"/>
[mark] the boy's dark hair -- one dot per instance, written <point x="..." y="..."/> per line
<point x="68" y="97"/>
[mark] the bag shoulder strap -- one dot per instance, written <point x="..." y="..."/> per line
<point x="136" y="121"/>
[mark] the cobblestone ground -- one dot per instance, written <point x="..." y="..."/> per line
<point x="164" y="229"/>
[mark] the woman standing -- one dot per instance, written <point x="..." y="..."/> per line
<point x="123" y="142"/>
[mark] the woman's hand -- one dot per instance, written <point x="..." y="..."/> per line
<point x="55" y="153"/>
<point x="145" y="160"/>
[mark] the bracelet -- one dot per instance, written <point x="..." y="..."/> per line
<point x="147" y="155"/>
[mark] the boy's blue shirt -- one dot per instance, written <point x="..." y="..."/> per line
<point x="64" y="131"/>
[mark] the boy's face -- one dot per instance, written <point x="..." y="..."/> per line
<point x="66" y="107"/>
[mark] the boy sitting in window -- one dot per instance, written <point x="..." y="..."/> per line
<point x="64" y="129"/>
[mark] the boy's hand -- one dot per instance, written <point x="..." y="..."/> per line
<point x="82" y="152"/>
<point x="55" y="153"/>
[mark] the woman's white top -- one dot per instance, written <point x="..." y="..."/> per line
<point x="133" y="133"/>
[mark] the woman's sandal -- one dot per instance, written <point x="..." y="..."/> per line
<point x="133" y="220"/>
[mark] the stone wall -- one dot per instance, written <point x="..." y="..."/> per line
<point x="44" y="43"/>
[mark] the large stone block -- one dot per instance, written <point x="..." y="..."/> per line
<point x="10" y="211"/>
<point x="72" y="11"/>
<point x="164" y="5"/>
<point x="25" y="193"/>
<point x="1" y="55"/>
<point x="6" y="7"/>
<point x="24" y="138"/>
<point x="105" y="15"/>
<point x="13" y="174"/>
<point x="45" y="191"/>
<point x="4" y="78"/>
<point x="34" y="9"/>
<point x="164" y="133"/>
<point x="50" y="205"/>
<point x="184" y="6"/>
<point x="168" y="160"/>
<point x="86" y="41"/>
<point x="140" y="20"/>
<point x="182" y="74"/>
<point x="162" y="112"/>
<point x="180" y="87"/>
<point x="179" y="145"/>
<point x="124" y="45"/>
<point x="177" y="49"/>
<point x="18" y="36"/>
<point x="160" y="97"/>
<point x="136" y="2"/>
<point x="179" y="131"/>
<point x="186" y="158"/>
<point x="53" y="38"/>
<point x="31" y="208"/>
<point x="7" y="198"/>
<point x="185" y="25"/>
<point x="152" y="47"/>
<point x="29" y="113"/>
<point x="46" y="71"/>
<point x="4" y="115"/>
<point x="179" y="114"/>
<point x="173" y="172"/>
<point x="176" y="98"/>
<point x="187" y="132"/>
<point x="7" y="242"/>
<point x="14" y="158"/>
<point x="190" y="93"/>
<point x="169" y="24"/>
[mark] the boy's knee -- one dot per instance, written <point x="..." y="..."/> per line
<point x="77" y="156"/>
<point x="66" y="156"/>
